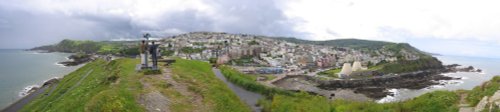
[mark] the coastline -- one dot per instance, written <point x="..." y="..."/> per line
<point x="19" y="104"/>
<point x="31" y="91"/>
<point x="380" y="89"/>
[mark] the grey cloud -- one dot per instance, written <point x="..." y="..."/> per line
<point x="26" y="29"/>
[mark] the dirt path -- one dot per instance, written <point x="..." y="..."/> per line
<point x="195" y="99"/>
<point x="464" y="105"/>
<point x="154" y="101"/>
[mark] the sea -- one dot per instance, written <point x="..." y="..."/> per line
<point x="21" y="70"/>
<point x="490" y="67"/>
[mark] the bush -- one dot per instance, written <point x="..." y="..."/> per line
<point x="401" y="66"/>
<point x="248" y="82"/>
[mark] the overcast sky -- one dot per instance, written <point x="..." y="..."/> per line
<point x="451" y="27"/>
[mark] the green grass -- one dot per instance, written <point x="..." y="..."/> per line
<point x="331" y="73"/>
<point x="249" y="82"/>
<point x="401" y="66"/>
<point x="200" y="79"/>
<point x="96" y="92"/>
<point x="299" y="102"/>
<point x="116" y="86"/>
<point x="486" y="89"/>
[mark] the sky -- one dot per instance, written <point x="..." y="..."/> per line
<point x="449" y="27"/>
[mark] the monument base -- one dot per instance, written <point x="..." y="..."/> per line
<point x="140" y="67"/>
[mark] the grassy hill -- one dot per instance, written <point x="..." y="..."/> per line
<point x="365" y="45"/>
<point x="91" y="88"/>
<point x="352" y="43"/>
<point x="86" y="46"/>
<point x="115" y="86"/>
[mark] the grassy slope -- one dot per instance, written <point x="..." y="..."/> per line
<point x="283" y="101"/>
<point x="96" y="92"/>
<point x="486" y="89"/>
<point x="200" y="79"/>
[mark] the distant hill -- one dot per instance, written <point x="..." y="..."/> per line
<point x="358" y="44"/>
<point x="98" y="47"/>
<point x="351" y="43"/>
<point x="113" y="47"/>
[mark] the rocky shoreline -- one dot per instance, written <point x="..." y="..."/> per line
<point x="31" y="94"/>
<point x="378" y="87"/>
<point x="77" y="59"/>
<point x="34" y="88"/>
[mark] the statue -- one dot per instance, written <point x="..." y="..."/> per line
<point x="153" y="50"/>
<point x="142" y="50"/>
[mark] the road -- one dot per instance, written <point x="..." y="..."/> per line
<point x="249" y="97"/>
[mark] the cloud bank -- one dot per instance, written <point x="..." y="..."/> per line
<point x="28" y="23"/>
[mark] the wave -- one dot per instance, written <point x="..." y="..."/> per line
<point x="60" y="65"/>
<point x="449" y="74"/>
<point x="464" y="78"/>
<point x="389" y="98"/>
<point x="28" y="90"/>
<point x="482" y="72"/>
<point x="32" y="88"/>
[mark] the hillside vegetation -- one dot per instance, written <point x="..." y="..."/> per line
<point x="423" y="63"/>
<point x="363" y="45"/>
<point x="486" y="89"/>
<point x="86" y="46"/>
<point x="200" y="79"/>
<point x="93" y="88"/>
<point x="115" y="86"/>
<point x="285" y="101"/>
<point x="352" y="43"/>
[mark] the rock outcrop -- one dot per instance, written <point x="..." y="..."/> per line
<point x="488" y="103"/>
<point x="77" y="59"/>
<point x="376" y="84"/>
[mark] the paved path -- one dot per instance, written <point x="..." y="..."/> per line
<point x="250" y="98"/>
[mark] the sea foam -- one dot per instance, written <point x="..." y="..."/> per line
<point x="28" y="90"/>
<point x="389" y="98"/>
